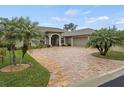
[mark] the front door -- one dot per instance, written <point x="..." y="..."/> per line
<point x="55" y="40"/>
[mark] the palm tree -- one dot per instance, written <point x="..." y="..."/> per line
<point x="1" y="35"/>
<point x="103" y="39"/>
<point x="19" y="30"/>
<point x="2" y="52"/>
<point x="10" y="36"/>
<point x="28" y="33"/>
<point x="4" y="25"/>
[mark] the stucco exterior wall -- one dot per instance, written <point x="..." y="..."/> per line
<point x="47" y="40"/>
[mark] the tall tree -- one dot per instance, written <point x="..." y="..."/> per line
<point x="70" y="27"/>
<point x="103" y="39"/>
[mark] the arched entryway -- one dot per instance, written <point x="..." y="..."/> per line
<point x="55" y="40"/>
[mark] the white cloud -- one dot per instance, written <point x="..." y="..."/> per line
<point x="71" y="12"/>
<point x="120" y="21"/>
<point x="103" y="18"/>
<point x="95" y="19"/>
<point x="60" y="19"/>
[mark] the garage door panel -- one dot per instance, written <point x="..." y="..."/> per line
<point x="80" y="41"/>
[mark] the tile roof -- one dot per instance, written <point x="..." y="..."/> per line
<point x="50" y="29"/>
<point x="86" y="31"/>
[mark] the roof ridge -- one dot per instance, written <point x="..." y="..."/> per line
<point x="85" y="29"/>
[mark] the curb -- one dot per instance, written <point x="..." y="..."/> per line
<point x="100" y="79"/>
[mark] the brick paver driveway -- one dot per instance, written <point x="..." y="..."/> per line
<point x="71" y="64"/>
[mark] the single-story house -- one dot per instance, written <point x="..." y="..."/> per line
<point x="58" y="37"/>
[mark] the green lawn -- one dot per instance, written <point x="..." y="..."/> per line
<point x="34" y="76"/>
<point x="114" y="55"/>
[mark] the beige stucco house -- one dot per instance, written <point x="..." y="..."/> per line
<point x="58" y="37"/>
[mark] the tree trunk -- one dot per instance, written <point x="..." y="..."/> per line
<point x="101" y="51"/>
<point x="24" y="51"/>
<point x="10" y="60"/>
<point x="10" y="57"/>
<point x="14" y="56"/>
<point x="2" y="59"/>
<point x="105" y="52"/>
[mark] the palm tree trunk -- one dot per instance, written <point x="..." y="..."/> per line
<point x="2" y="59"/>
<point x="24" y="51"/>
<point x="10" y="57"/>
<point x="14" y="57"/>
<point x="10" y="60"/>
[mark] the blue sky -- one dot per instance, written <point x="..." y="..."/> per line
<point x="56" y="16"/>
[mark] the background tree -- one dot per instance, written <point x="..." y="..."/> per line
<point x="103" y="39"/>
<point x="70" y="27"/>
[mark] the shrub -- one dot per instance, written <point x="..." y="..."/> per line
<point x="64" y="44"/>
<point x="48" y="45"/>
<point x="68" y="44"/>
<point x="3" y="51"/>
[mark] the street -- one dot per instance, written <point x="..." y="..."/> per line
<point x="118" y="82"/>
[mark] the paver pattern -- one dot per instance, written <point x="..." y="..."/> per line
<point x="69" y="65"/>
